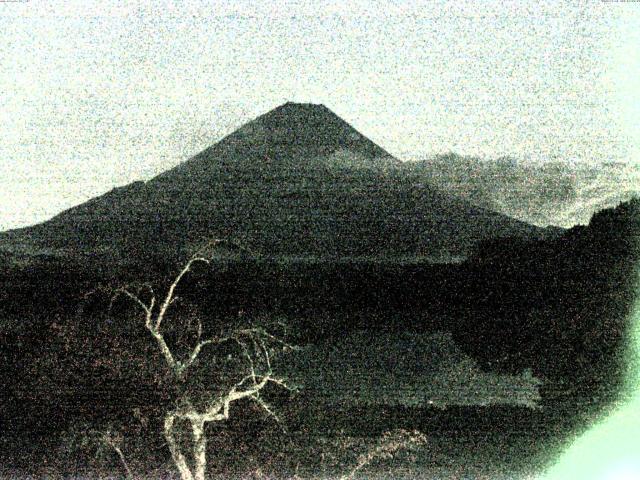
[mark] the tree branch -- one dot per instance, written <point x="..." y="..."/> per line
<point x="108" y="440"/>
<point x="267" y="408"/>
<point x="177" y="455"/>
<point x="168" y="299"/>
<point x="193" y="356"/>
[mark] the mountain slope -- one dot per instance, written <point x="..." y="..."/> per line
<point x="297" y="181"/>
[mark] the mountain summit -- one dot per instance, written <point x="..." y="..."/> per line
<point x="303" y="127"/>
<point x="296" y="181"/>
<point x="293" y="133"/>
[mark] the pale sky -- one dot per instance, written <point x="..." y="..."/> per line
<point x="99" y="94"/>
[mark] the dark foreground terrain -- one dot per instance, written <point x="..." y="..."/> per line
<point x="321" y="441"/>
<point x="76" y="365"/>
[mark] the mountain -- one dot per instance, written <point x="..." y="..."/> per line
<point x="550" y="193"/>
<point x="296" y="181"/>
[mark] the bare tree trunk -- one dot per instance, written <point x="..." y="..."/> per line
<point x="178" y="458"/>
<point x="199" y="448"/>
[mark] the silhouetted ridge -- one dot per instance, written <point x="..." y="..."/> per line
<point x="570" y="300"/>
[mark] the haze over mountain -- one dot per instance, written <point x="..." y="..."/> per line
<point x="551" y="193"/>
<point x="296" y="181"/>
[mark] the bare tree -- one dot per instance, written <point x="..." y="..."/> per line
<point x="254" y="346"/>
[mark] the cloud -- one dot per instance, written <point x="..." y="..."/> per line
<point x="550" y="193"/>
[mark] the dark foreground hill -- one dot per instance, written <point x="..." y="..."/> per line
<point x="561" y="306"/>
<point x="297" y="181"/>
<point x="558" y="307"/>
